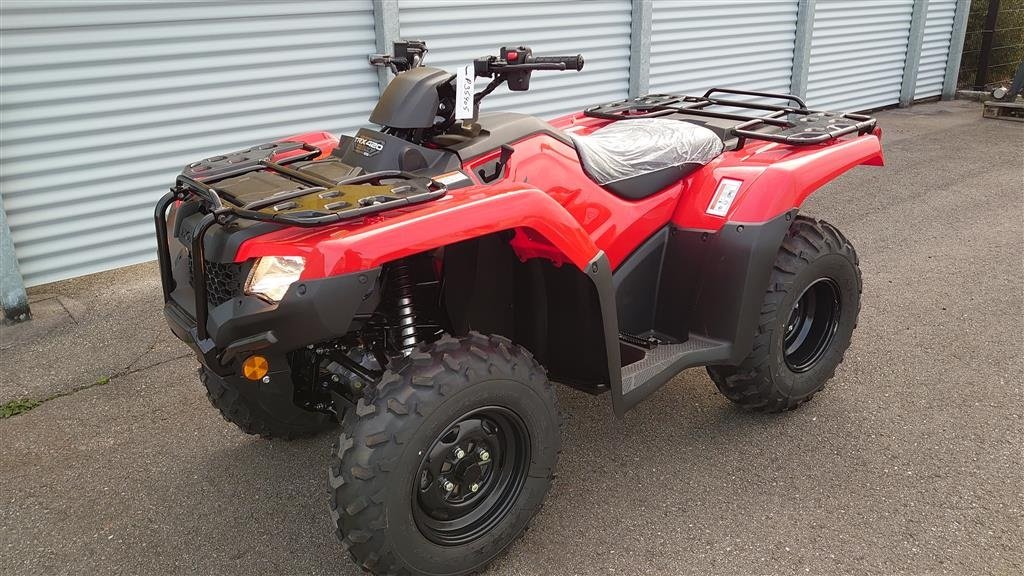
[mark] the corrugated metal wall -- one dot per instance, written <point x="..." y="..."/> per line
<point x="696" y="45"/>
<point x="104" y="103"/>
<point x="938" y="31"/>
<point x="858" y="49"/>
<point x="457" y="32"/>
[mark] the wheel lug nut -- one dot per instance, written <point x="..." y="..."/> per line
<point x="484" y="456"/>
<point x="460" y="453"/>
<point x="448" y="486"/>
<point x="474" y="487"/>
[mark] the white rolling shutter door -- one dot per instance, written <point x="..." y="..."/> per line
<point x="457" y="32"/>
<point x="938" y="31"/>
<point x="858" y="49"/>
<point x="103" y="103"/>
<point x="697" y="45"/>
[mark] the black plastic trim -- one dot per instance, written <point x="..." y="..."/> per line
<point x="636" y="283"/>
<point x="721" y="279"/>
<point x="717" y="282"/>
<point x="411" y="99"/>
<point x="395" y="151"/>
<point x="505" y="128"/>
<point x="311" y="311"/>
<point x="599" y="271"/>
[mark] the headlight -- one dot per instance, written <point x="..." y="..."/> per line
<point x="272" y="276"/>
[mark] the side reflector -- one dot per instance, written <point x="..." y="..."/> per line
<point x="255" y="367"/>
<point x="724" y="195"/>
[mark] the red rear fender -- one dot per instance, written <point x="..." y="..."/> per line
<point x="543" y="228"/>
<point x="773" y="179"/>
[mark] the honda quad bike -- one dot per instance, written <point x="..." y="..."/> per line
<point x="423" y="285"/>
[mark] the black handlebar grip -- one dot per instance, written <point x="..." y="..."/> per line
<point x="571" y="62"/>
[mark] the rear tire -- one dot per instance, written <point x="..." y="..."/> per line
<point x="446" y="462"/>
<point x="807" y="320"/>
<point x="241" y="406"/>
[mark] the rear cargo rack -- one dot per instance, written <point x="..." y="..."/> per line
<point x="792" y="124"/>
<point x="314" y="201"/>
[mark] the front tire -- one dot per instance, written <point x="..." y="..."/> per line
<point x="447" y="460"/>
<point x="255" y="412"/>
<point x="806" y="322"/>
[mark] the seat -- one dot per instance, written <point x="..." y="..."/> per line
<point x="636" y="158"/>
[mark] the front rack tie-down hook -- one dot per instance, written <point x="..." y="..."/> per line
<point x="499" y="166"/>
<point x="224" y="215"/>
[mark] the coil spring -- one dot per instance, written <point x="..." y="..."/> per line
<point x="405" y="313"/>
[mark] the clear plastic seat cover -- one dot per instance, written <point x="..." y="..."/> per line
<point x="628" y="148"/>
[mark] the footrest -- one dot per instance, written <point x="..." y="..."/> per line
<point x="638" y="341"/>
<point x="659" y="359"/>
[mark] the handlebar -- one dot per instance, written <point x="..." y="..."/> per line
<point x="520" y="61"/>
<point x="514" y="66"/>
<point x="500" y="66"/>
<point x="568" y="62"/>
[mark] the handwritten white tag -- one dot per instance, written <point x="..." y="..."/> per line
<point x="464" y="92"/>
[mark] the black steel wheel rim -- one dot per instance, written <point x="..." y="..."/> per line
<point x="470" y="477"/>
<point x="812" y="325"/>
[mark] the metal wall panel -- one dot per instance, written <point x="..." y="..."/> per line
<point x="697" y="45"/>
<point x="938" y="30"/>
<point x="103" y="103"/>
<point x="458" y="31"/>
<point x="858" y="49"/>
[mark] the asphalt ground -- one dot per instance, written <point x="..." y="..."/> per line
<point x="910" y="461"/>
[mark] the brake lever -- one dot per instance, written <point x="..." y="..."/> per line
<point x="384" y="61"/>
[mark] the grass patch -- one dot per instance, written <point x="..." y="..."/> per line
<point x="20" y="406"/>
<point x="15" y="407"/>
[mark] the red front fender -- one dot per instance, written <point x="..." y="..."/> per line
<point x="460" y="215"/>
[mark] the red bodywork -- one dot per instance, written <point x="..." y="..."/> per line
<point x="560" y="214"/>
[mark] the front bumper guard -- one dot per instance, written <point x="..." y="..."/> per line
<point x="311" y="310"/>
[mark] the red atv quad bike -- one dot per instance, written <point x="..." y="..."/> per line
<point x="424" y="285"/>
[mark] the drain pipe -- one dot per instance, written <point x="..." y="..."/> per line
<point x="13" y="298"/>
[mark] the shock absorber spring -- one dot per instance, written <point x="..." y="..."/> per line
<point x="404" y="312"/>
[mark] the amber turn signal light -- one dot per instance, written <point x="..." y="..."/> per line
<point x="255" y="367"/>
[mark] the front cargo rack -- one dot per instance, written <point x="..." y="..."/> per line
<point x="314" y="200"/>
<point x="306" y="197"/>
<point x="792" y="124"/>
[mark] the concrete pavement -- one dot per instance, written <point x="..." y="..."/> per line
<point x="910" y="462"/>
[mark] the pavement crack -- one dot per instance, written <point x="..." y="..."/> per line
<point x="153" y="365"/>
<point x="134" y="361"/>
<point x="22" y="405"/>
<point x="67" y="310"/>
